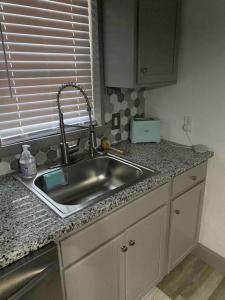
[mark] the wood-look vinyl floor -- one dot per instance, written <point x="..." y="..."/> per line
<point x="156" y="294"/>
<point x="192" y="279"/>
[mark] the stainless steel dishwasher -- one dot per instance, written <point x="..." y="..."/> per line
<point x="35" y="277"/>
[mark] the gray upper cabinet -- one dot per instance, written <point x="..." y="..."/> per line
<point x="157" y="41"/>
<point x="140" y="42"/>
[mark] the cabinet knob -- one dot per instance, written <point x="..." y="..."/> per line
<point x="144" y="70"/>
<point x="131" y="242"/>
<point x="194" y="178"/>
<point x="124" y="248"/>
<point x="177" y="211"/>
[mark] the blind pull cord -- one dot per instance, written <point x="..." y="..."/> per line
<point x="6" y="62"/>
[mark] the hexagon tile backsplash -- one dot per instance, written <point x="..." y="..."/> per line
<point x="127" y="102"/>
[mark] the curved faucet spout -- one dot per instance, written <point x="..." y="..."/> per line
<point x="65" y="148"/>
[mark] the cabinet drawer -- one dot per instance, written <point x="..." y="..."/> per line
<point x="188" y="179"/>
<point x="76" y="246"/>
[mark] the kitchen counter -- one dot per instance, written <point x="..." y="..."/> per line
<point x="27" y="224"/>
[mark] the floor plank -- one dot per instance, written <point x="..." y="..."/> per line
<point x="193" y="279"/>
<point x="204" y="288"/>
<point x="179" y="298"/>
<point x="196" y="281"/>
<point x="219" y="293"/>
<point x="156" y="294"/>
<point x="175" y="282"/>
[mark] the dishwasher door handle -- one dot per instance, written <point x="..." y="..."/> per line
<point x="33" y="282"/>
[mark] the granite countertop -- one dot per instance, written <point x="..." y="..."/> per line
<point x="27" y="224"/>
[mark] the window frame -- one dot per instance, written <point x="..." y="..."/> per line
<point x="97" y="87"/>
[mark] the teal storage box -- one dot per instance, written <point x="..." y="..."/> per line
<point x="145" y="130"/>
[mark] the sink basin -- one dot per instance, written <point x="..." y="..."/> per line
<point x="86" y="182"/>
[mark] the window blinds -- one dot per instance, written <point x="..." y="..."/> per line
<point x="44" y="43"/>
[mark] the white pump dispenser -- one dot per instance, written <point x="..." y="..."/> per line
<point x="27" y="163"/>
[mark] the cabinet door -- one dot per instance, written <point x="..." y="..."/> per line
<point x="157" y="41"/>
<point x="119" y="27"/>
<point x="98" y="276"/>
<point x="146" y="240"/>
<point x="186" y="213"/>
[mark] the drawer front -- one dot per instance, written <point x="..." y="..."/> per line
<point x="188" y="179"/>
<point x="80" y="244"/>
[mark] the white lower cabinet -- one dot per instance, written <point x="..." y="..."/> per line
<point x="124" y="268"/>
<point x="185" y="223"/>
<point x="98" y="275"/>
<point x="146" y="241"/>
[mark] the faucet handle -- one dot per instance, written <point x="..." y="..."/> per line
<point x="80" y="126"/>
<point x="75" y="147"/>
<point x="75" y="126"/>
<point x="78" y="142"/>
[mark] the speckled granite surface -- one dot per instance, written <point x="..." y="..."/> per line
<point x="27" y="224"/>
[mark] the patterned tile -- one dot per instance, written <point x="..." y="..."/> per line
<point x="117" y="107"/>
<point x="14" y="165"/>
<point x="124" y="105"/>
<point x="124" y="136"/>
<point x="128" y="103"/>
<point x="120" y="97"/>
<point x="41" y="158"/>
<point x="113" y="99"/>
<point x="5" y="167"/>
<point x="137" y="102"/>
<point x="124" y="121"/>
<point x="108" y="117"/>
<point x="133" y="111"/>
<point x="109" y="91"/>
<point x="127" y="112"/>
<point x="118" y="136"/>
<point x="134" y="95"/>
<point x="52" y="155"/>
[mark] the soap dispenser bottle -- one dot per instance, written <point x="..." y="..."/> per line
<point x="27" y="163"/>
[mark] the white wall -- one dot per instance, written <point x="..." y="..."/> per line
<point x="200" y="93"/>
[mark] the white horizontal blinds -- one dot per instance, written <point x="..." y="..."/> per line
<point x="46" y="43"/>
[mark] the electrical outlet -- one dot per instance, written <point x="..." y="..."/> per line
<point x="187" y="126"/>
<point x="116" y="121"/>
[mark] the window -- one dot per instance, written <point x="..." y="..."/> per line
<point x="44" y="43"/>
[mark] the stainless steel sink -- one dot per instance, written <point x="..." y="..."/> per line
<point x="86" y="182"/>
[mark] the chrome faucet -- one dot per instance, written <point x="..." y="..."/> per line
<point x="66" y="150"/>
